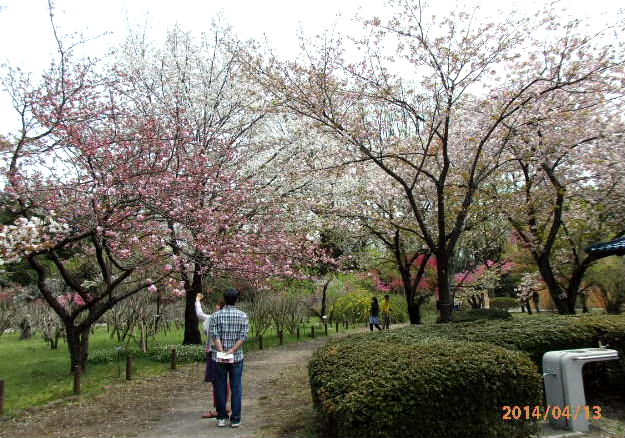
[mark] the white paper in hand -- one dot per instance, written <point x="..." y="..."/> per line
<point x="225" y="357"/>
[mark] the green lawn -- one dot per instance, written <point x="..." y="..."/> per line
<point x="34" y="374"/>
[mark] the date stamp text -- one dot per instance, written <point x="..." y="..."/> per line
<point x="548" y="412"/>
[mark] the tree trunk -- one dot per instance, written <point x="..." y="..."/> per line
<point x="529" y="307"/>
<point x="554" y="288"/>
<point x="27" y="329"/>
<point x="414" y="313"/>
<point x="575" y="282"/>
<point x="84" y="349"/>
<point x="413" y="301"/>
<point x="324" y="298"/>
<point x="442" y="277"/>
<point x="191" y="330"/>
<point x="143" y="337"/>
<point x="583" y="298"/>
<point x="476" y="301"/>
<point x="192" y="335"/>
<point x="54" y="343"/>
<point x="536" y="298"/>
<point x="614" y="307"/>
<point x="78" y="345"/>
<point x="158" y="312"/>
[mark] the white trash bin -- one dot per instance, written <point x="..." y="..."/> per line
<point x="564" y="385"/>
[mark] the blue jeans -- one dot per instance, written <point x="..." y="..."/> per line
<point x="234" y="373"/>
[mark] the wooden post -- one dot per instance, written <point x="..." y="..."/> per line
<point x="312" y="331"/>
<point x="128" y="367"/>
<point x="173" y="358"/>
<point x="337" y="326"/>
<point x="260" y="342"/>
<point x="298" y="333"/>
<point x="281" y="337"/>
<point x="77" y="380"/>
<point x="325" y="328"/>
<point x="1" y="398"/>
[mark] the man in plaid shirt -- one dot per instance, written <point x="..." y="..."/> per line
<point x="229" y="328"/>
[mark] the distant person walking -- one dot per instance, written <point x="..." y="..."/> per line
<point x="386" y="312"/>
<point x="210" y="375"/>
<point x="229" y="328"/>
<point x="374" y="314"/>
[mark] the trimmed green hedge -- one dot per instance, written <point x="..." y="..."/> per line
<point x="535" y="335"/>
<point x="478" y="314"/>
<point x="377" y="387"/>
<point x="440" y="381"/>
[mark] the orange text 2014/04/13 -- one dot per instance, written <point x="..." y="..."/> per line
<point x="547" y="412"/>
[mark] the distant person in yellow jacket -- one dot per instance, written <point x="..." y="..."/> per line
<point x="386" y="312"/>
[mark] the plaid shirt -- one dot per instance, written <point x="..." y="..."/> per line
<point x="229" y="325"/>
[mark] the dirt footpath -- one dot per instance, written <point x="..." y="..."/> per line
<point x="276" y="399"/>
<point x="276" y="402"/>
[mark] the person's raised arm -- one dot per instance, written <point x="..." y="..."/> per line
<point x="198" y="308"/>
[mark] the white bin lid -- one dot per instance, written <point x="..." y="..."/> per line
<point x="591" y="353"/>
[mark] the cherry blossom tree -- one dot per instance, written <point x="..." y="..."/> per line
<point x="528" y="289"/>
<point x="566" y="183"/>
<point x="361" y="203"/>
<point x="441" y="134"/>
<point x="473" y="284"/>
<point x="70" y="172"/>
<point x="228" y="217"/>
<point x="121" y="186"/>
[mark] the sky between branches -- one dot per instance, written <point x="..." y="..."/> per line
<point x="26" y="38"/>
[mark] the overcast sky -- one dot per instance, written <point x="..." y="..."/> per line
<point x="26" y="38"/>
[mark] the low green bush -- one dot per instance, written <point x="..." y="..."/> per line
<point x="374" y="386"/>
<point x="184" y="353"/>
<point x="478" y="314"/>
<point x="503" y="303"/>
<point x="158" y="353"/>
<point x="539" y="334"/>
<point x="114" y="354"/>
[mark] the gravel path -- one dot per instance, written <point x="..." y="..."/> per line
<point x="264" y="411"/>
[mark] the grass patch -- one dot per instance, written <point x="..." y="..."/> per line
<point x="34" y="374"/>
